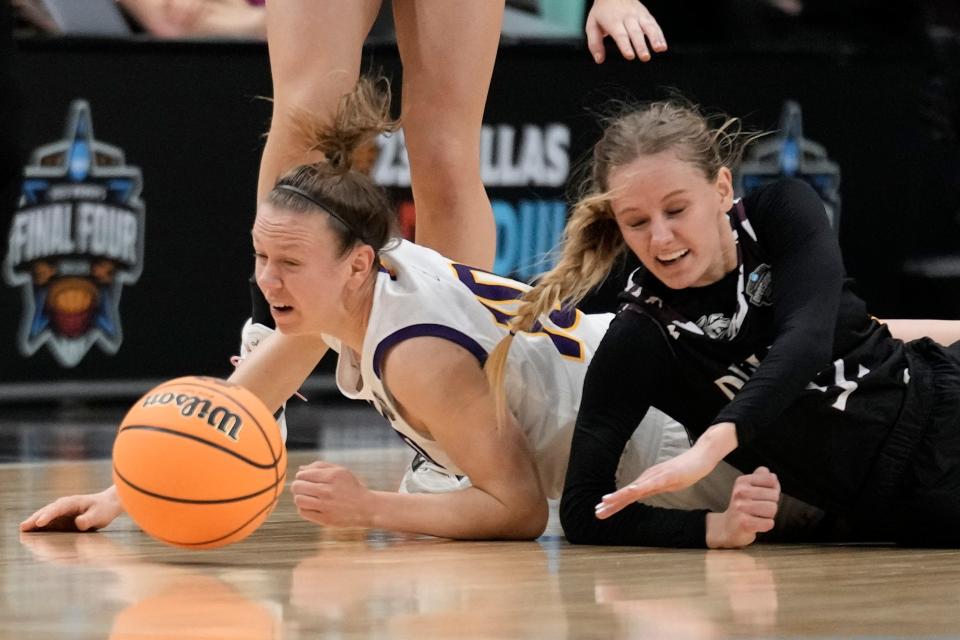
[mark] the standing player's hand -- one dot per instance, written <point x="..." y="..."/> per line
<point x="753" y="506"/>
<point x="87" y="512"/>
<point x="331" y="495"/>
<point x="629" y="24"/>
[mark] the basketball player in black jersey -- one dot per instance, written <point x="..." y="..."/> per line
<point x="741" y="325"/>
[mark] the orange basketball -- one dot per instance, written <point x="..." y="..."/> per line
<point x="199" y="462"/>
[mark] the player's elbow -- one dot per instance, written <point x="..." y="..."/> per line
<point x="529" y="523"/>
<point x="578" y="521"/>
<point x="812" y="346"/>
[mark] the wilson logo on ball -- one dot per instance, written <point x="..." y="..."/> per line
<point x="221" y="418"/>
<point x="180" y="481"/>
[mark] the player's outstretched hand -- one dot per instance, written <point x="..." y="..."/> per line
<point x="629" y="24"/>
<point x="753" y="506"/>
<point x="331" y="495"/>
<point x="86" y="512"/>
<point x="671" y="475"/>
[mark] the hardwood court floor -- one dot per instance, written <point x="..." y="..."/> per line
<point x="294" y="580"/>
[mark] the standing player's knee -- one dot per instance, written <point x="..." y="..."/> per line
<point x="310" y="93"/>
<point x="443" y="156"/>
<point x="445" y="172"/>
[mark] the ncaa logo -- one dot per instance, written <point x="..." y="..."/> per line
<point x="75" y="240"/>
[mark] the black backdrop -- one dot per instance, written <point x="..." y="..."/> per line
<point x="189" y="116"/>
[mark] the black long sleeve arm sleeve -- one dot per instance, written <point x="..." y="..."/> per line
<point x="623" y="376"/>
<point x="808" y="279"/>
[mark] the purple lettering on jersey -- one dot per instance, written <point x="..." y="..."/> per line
<point x="488" y="293"/>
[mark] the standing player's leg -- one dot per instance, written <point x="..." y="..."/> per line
<point x="315" y="50"/>
<point x="448" y="48"/>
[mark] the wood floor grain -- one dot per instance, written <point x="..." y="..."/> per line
<point x="292" y="579"/>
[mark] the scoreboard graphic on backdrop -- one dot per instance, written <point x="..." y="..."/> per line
<point x="75" y="240"/>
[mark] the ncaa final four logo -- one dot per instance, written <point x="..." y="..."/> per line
<point x="75" y="240"/>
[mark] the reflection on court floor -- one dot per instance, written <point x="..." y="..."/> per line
<point x="292" y="579"/>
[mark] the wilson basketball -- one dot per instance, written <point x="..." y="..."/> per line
<point x="199" y="462"/>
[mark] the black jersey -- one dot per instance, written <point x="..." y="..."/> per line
<point x="781" y="347"/>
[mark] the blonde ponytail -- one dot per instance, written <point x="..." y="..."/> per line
<point x="591" y="244"/>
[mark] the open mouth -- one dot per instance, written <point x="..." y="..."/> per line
<point x="281" y="308"/>
<point x="672" y="258"/>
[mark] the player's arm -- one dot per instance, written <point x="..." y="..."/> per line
<point x="278" y="366"/>
<point x="443" y="386"/>
<point x="804" y="254"/>
<point x="632" y="367"/>
<point x="946" y="332"/>
<point x="273" y="372"/>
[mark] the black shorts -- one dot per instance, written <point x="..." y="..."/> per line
<point x="918" y="477"/>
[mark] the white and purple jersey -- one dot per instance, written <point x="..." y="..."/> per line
<point x="418" y="293"/>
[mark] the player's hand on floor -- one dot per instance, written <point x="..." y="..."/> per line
<point x="629" y="24"/>
<point x="671" y="475"/>
<point x="331" y="495"/>
<point x="86" y="512"/>
<point x="753" y="507"/>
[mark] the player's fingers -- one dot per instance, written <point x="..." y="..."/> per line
<point x="85" y="522"/>
<point x="637" y="39"/>
<point x="652" y="30"/>
<point x="309" y="502"/>
<point x="757" y="524"/>
<point x="765" y="509"/>
<point x="298" y="487"/>
<point x="641" y="488"/>
<point x="50" y="512"/>
<point x="595" y="40"/>
<point x="91" y="517"/>
<point x="762" y="477"/>
<point x="64" y="522"/>
<point x="31" y="521"/>
<point x="622" y="38"/>
<point x="757" y="508"/>
<point x="28" y="525"/>
<point x="312" y="516"/>
<point x="765" y="495"/>
<point x="306" y="487"/>
<point x="771" y="482"/>
<point x="753" y="492"/>
<point x="316" y="474"/>
<point x="613" y="502"/>
<point x="317" y="464"/>
<point x="606" y="509"/>
<point x="625" y="495"/>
